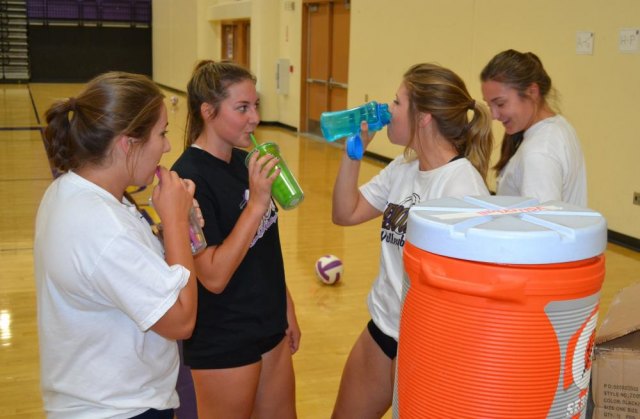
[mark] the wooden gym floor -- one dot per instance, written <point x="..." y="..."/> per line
<point x="331" y="317"/>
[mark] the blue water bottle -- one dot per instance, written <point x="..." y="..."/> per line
<point x="346" y="123"/>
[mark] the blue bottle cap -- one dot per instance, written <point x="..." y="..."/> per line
<point x="385" y="115"/>
<point x="354" y="147"/>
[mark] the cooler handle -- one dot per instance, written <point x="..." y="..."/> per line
<point x="503" y="288"/>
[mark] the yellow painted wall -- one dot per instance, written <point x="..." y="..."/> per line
<point x="289" y="47"/>
<point x="598" y="93"/>
<point x="174" y="41"/>
<point x="208" y="33"/>
<point x="265" y="24"/>
<point x="412" y="32"/>
<point x="185" y="31"/>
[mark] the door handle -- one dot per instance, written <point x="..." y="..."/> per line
<point x="333" y="83"/>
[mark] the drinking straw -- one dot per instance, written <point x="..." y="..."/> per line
<point x="255" y="143"/>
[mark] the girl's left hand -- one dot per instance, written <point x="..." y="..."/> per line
<point x="293" y="331"/>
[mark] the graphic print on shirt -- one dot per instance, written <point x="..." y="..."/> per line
<point x="268" y="219"/>
<point x="394" y="220"/>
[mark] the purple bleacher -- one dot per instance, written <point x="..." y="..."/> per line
<point x="89" y="10"/>
<point x="143" y="11"/>
<point x="126" y="11"/>
<point x="138" y="11"/>
<point x="35" y="9"/>
<point x="62" y="9"/>
<point x="117" y="11"/>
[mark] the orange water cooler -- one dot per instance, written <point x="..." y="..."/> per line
<point x="500" y="309"/>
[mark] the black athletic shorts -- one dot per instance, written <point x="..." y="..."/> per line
<point x="239" y="357"/>
<point x="388" y="344"/>
<point x="155" y="414"/>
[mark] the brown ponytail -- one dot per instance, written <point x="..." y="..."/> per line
<point x="59" y="140"/>
<point x="209" y="83"/>
<point x="80" y="130"/>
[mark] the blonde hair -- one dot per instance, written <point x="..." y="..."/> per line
<point x="442" y="93"/>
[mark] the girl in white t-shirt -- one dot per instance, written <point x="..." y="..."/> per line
<point x="448" y="142"/>
<point x="541" y="155"/>
<point x="111" y="301"/>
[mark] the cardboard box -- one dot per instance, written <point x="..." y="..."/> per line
<point x="615" y="372"/>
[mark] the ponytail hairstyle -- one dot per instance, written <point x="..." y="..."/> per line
<point x="210" y="83"/>
<point x="81" y="129"/>
<point x="442" y="93"/>
<point x="517" y="70"/>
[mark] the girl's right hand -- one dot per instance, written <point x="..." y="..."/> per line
<point x="172" y="197"/>
<point x="260" y="180"/>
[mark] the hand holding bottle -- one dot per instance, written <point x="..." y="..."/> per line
<point x="347" y="123"/>
<point x="173" y="200"/>
<point x="262" y="173"/>
<point x="172" y="197"/>
<point x="284" y="187"/>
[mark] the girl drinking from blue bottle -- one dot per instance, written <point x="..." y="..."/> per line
<point x="446" y="154"/>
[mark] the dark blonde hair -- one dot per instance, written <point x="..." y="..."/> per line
<point x="210" y="83"/>
<point x="80" y="130"/>
<point x="440" y="92"/>
<point x="518" y="70"/>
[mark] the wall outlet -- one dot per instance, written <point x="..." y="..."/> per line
<point x="636" y="198"/>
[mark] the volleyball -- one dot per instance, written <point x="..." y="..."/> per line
<point x="329" y="269"/>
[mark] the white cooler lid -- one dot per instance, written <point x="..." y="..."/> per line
<point x="507" y="229"/>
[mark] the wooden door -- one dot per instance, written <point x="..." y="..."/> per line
<point x="235" y="41"/>
<point x="325" y="60"/>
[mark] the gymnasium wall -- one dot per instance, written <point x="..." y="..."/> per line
<point x="76" y="54"/>
<point x="73" y="41"/>
<point x="597" y="92"/>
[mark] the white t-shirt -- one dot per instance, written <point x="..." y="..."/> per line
<point x="548" y="165"/>
<point x="102" y="282"/>
<point x="393" y="191"/>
